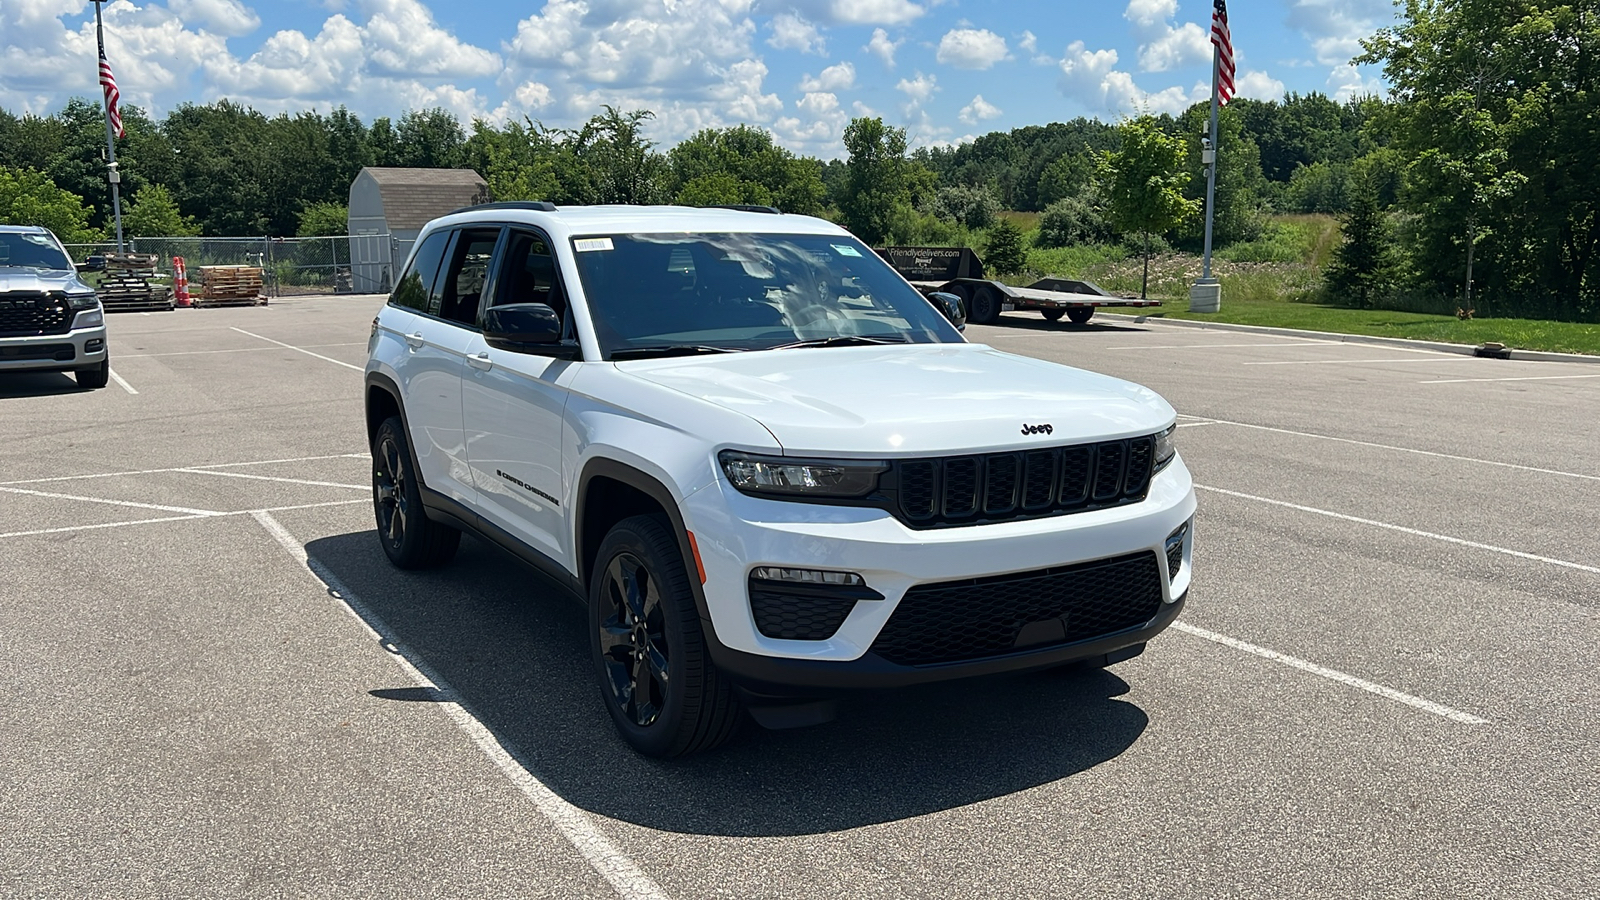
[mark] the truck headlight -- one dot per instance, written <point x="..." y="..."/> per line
<point x="776" y="476"/>
<point x="1166" y="447"/>
<point x="83" y="301"/>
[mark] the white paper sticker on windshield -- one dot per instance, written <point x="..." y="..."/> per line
<point x="590" y="245"/>
<point x="846" y="250"/>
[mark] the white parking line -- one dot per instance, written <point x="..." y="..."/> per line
<point x="119" y="380"/>
<point x="625" y="876"/>
<point x="1227" y="346"/>
<point x="1404" y="530"/>
<point x="231" y="350"/>
<point x="336" y="362"/>
<point x="1443" y="357"/>
<point x="127" y="503"/>
<point x="230" y="465"/>
<point x="1449" y="456"/>
<point x="1455" y="715"/>
<point x="243" y="512"/>
<point x="219" y="474"/>
<point x="1532" y="378"/>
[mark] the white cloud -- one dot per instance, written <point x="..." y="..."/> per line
<point x="918" y="89"/>
<point x="1162" y="45"/>
<point x="1029" y="42"/>
<point x="1258" y="85"/>
<point x="971" y="48"/>
<point x="876" y="12"/>
<point x="1092" y="78"/>
<point x="1348" y="81"/>
<point x="402" y="40"/>
<point x="226" y="17"/>
<point x="883" y="48"/>
<point x="656" y="45"/>
<point x="790" y="32"/>
<point x="841" y="77"/>
<point x="1150" y="14"/>
<point x="1335" y="27"/>
<point x="978" y="110"/>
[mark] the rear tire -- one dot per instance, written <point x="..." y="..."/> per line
<point x="95" y="378"/>
<point x="1052" y="315"/>
<point x="410" y="539"/>
<point x="985" y="308"/>
<point x="1080" y="315"/>
<point x="655" y="674"/>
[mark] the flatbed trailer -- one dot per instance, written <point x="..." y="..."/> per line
<point x="959" y="271"/>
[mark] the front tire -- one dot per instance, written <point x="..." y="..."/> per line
<point x="95" y="378"/>
<point x="410" y="539"/>
<point x="657" y="680"/>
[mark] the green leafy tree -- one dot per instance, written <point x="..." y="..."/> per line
<point x="1241" y="188"/>
<point x="744" y="165"/>
<point x="1079" y="219"/>
<point x="1068" y="176"/>
<point x="324" y="220"/>
<point x="972" y="206"/>
<point x="1144" y="181"/>
<point x="621" y="161"/>
<point x="153" y="213"/>
<point x="1005" y="253"/>
<point x="877" y="188"/>
<point x="431" y="139"/>
<point x="29" y="197"/>
<point x="1362" y="268"/>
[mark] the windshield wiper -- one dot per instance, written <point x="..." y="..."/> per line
<point x="843" y="340"/>
<point x="669" y="350"/>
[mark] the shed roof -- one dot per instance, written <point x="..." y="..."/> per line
<point x="413" y="197"/>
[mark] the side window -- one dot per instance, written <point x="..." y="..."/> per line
<point x="528" y="274"/>
<point x="457" y="293"/>
<point x="416" y="284"/>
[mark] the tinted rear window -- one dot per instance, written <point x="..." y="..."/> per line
<point x="417" y="282"/>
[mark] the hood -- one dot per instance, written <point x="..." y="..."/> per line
<point x="13" y="278"/>
<point x="930" y="399"/>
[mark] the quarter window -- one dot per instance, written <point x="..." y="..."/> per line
<point x="417" y="283"/>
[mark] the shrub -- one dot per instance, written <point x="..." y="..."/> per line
<point x="1079" y="219"/>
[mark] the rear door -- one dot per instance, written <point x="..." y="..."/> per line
<point x="514" y="404"/>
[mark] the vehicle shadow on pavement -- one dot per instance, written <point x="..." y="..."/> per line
<point x="514" y="648"/>
<point x="37" y="384"/>
<point x="1035" y="322"/>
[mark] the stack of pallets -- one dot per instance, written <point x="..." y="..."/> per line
<point x="130" y="284"/>
<point x="230" y="286"/>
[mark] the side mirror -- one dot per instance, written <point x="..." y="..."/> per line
<point x="515" y="326"/>
<point x="953" y="307"/>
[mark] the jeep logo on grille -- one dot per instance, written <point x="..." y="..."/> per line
<point x="1038" y="429"/>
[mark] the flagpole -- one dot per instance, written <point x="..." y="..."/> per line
<point x="112" y="174"/>
<point x="1205" y="295"/>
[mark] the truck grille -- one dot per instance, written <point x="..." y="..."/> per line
<point x="965" y="620"/>
<point x="998" y="487"/>
<point x="32" y="313"/>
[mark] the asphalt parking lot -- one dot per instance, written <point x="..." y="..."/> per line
<point x="1384" y="684"/>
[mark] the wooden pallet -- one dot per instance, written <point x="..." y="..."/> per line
<point x="230" y="286"/>
<point x="129" y="284"/>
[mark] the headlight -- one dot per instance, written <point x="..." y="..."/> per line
<point x="783" y="477"/>
<point x="1166" y="447"/>
<point x="83" y="301"/>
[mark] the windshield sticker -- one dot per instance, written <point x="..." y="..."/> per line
<point x="39" y="239"/>
<point x="846" y="250"/>
<point x="590" y="245"/>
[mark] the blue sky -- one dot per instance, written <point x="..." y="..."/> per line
<point x="946" y="70"/>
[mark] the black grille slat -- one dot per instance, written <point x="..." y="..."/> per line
<point x="1039" y="480"/>
<point x="1001" y="474"/>
<point x="1141" y="455"/>
<point x="1076" y="467"/>
<point x="978" y="618"/>
<point x="1109" y="463"/>
<point x="30" y="313"/>
<point x="917" y="485"/>
<point x="960" y="487"/>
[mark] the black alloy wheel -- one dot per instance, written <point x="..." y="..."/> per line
<point x="985" y="307"/>
<point x="633" y="640"/>
<point x="410" y="539"/>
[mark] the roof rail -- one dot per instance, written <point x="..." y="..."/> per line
<point x="747" y="207"/>
<point x="526" y="205"/>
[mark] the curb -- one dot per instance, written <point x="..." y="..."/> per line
<point x="1334" y="337"/>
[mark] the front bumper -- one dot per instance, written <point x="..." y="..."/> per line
<point x="735" y="533"/>
<point x="54" y="352"/>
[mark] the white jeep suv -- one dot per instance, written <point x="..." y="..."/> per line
<point x="771" y="468"/>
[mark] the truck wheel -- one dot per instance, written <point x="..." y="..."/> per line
<point x="92" y="379"/>
<point x="1080" y="315"/>
<point x="656" y="678"/>
<point x="985" y="308"/>
<point x="410" y="539"/>
<point x="1052" y="315"/>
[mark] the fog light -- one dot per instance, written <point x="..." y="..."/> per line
<point x="1175" y="551"/>
<point x="808" y="576"/>
<point x="94" y="346"/>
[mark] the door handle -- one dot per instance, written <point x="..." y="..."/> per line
<point x="480" y="361"/>
<point x="416" y="340"/>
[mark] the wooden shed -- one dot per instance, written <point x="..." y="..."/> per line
<point x="388" y="208"/>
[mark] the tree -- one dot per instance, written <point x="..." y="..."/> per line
<point x="1241" y="188"/>
<point x="29" y="197"/>
<point x="1004" y="253"/>
<point x="1079" y="219"/>
<point x="1144" y="181"/>
<point x="744" y="165"/>
<point x="972" y="206"/>
<point x="1362" y="267"/>
<point x="153" y="213"/>
<point x="324" y="220"/>
<point x="624" y="168"/>
<point x="431" y="139"/>
<point x="877" y="189"/>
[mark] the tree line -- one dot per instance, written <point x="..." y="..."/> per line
<point x="1471" y="181"/>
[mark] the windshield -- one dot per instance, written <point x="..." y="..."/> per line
<point x="653" y="294"/>
<point x="34" y="251"/>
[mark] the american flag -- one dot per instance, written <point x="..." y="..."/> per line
<point x="109" y="83"/>
<point x="1223" y="39"/>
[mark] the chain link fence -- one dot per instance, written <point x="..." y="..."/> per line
<point x="349" y="264"/>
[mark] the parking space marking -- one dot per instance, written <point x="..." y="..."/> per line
<point x="128" y="503"/>
<point x="68" y="529"/>
<point x="1405" y="530"/>
<point x="230" y="350"/>
<point x="1449" y="456"/>
<point x="229" y="465"/>
<point x="336" y="362"/>
<point x="621" y="872"/>
<point x="1196" y="424"/>
<point x="118" y="379"/>
<point x="1455" y="715"/>
<point x="1529" y="378"/>
<point x="1443" y="357"/>
<point x="1225" y="346"/>
<point x="221" y="474"/>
